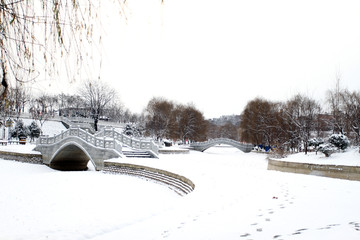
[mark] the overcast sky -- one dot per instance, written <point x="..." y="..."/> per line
<point x="221" y="54"/>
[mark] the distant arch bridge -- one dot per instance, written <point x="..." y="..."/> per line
<point x="202" y="146"/>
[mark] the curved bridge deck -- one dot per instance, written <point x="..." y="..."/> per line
<point x="202" y="146"/>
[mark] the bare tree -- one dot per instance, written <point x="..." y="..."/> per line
<point x="229" y="130"/>
<point x="260" y="122"/>
<point x="37" y="33"/>
<point x="19" y="98"/>
<point x="165" y="119"/>
<point x="158" y="117"/>
<point x="189" y="124"/>
<point x="6" y="106"/>
<point x="212" y="130"/>
<point x="97" y="96"/>
<point x="115" y="111"/>
<point x="52" y="102"/>
<point x="350" y="106"/>
<point x="301" y="116"/>
<point x="334" y="101"/>
<point x="39" y="109"/>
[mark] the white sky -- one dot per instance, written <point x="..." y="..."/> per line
<point x="221" y="54"/>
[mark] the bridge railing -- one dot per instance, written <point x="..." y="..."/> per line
<point x="246" y="147"/>
<point x="219" y="140"/>
<point x="102" y="142"/>
<point x="136" y="143"/>
<point x="107" y="138"/>
<point x="73" y="123"/>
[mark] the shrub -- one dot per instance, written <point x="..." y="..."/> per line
<point x="339" y="140"/>
<point x="315" y="142"/>
<point x="20" y="130"/>
<point x="327" y="149"/>
<point x="34" y="130"/>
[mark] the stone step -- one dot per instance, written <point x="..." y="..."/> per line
<point x="137" y="154"/>
<point x="175" y="184"/>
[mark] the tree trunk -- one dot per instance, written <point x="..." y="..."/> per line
<point x="96" y="124"/>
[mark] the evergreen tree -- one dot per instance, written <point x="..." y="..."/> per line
<point x="335" y="142"/>
<point x="20" y="130"/>
<point x="315" y="142"/>
<point x="34" y="130"/>
<point x="339" y="140"/>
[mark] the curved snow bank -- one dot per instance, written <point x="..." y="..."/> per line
<point x="334" y="171"/>
<point x="340" y="165"/>
<point x="180" y="184"/>
<point x="351" y="157"/>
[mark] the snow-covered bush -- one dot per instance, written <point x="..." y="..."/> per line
<point x="34" y="130"/>
<point x="315" y="143"/>
<point x="327" y="149"/>
<point x="335" y="142"/>
<point x="133" y="131"/>
<point x="339" y="140"/>
<point x="19" y="130"/>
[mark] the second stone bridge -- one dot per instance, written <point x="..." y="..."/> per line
<point x="202" y="146"/>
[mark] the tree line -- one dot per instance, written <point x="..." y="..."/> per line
<point x="96" y="100"/>
<point x="290" y="125"/>
<point x="93" y="100"/>
<point x="165" y="119"/>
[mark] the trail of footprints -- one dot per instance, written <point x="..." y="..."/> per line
<point x="266" y="216"/>
<point x="166" y="233"/>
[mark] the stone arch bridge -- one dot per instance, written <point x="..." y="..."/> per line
<point x="202" y="146"/>
<point x="75" y="147"/>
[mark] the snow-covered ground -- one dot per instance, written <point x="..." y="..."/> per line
<point x="350" y="157"/>
<point x="235" y="197"/>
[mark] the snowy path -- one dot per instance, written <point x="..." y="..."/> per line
<point x="235" y="198"/>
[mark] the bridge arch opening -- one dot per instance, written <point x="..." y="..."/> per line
<point x="70" y="157"/>
<point x="222" y="148"/>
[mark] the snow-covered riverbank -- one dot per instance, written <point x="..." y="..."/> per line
<point x="235" y="197"/>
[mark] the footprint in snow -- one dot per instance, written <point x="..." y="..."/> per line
<point x="356" y="225"/>
<point x="299" y="231"/>
<point x="165" y="234"/>
<point x="245" y="235"/>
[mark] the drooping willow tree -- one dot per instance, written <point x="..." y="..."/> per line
<point x="47" y="36"/>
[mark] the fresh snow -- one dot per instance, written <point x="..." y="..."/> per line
<point x="15" y="148"/>
<point x="235" y="197"/>
<point x="50" y="128"/>
<point x="349" y="157"/>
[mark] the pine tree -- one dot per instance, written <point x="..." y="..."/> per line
<point x="20" y="130"/>
<point x="339" y="140"/>
<point x="34" y="130"/>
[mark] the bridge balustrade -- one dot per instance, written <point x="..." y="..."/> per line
<point x="108" y="138"/>
<point x="202" y="146"/>
<point x="129" y="141"/>
<point x="77" y="132"/>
